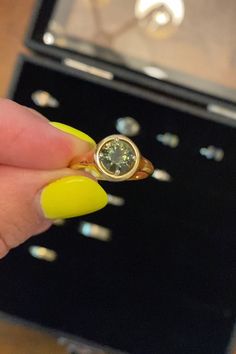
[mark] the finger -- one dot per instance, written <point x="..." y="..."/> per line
<point x="31" y="199"/>
<point x="28" y="140"/>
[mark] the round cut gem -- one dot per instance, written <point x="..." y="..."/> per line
<point x="117" y="157"/>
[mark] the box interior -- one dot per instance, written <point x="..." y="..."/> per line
<point x="166" y="282"/>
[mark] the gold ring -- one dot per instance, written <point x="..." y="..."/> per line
<point x="116" y="158"/>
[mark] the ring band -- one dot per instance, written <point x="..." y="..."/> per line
<point x="115" y="159"/>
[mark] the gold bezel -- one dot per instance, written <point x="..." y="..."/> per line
<point x="103" y="171"/>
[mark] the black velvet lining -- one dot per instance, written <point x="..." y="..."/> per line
<point x="166" y="283"/>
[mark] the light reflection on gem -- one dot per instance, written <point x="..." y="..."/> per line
<point x="162" y="175"/>
<point x="44" y="99"/>
<point x="116" y="201"/>
<point x="98" y="232"/>
<point x="168" y="139"/>
<point x="117" y="172"/>
<point x="212" y="153"/>
<point x="128" y="126"/>
<point x="43" y="253"/>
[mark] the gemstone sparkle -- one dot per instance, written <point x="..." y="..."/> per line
<point x="117" y="157"/>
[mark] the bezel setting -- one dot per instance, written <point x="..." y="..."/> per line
<point x="116" y="176"/>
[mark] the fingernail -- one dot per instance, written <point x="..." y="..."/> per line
<point x="72" y="196"/>
<point x="70" y="130"/>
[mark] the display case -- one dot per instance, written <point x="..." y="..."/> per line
<point x="155" y="271"/>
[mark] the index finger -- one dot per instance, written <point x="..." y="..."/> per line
<point x="28" y="140"/>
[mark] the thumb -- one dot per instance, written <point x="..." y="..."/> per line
<point x="31" y="199"/>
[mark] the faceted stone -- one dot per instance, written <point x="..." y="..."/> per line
<point x="117" y="157"/>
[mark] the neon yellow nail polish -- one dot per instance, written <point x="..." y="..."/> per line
<point x="72" y="196"/>
<point x="70" y="130"/>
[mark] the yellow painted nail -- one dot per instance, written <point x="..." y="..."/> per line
<point x="72" y="196"/>
<point x="70" y="130"/>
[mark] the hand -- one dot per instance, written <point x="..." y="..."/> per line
<point x="36" y="184"/>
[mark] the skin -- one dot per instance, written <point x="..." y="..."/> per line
<point x="32" y="154"/>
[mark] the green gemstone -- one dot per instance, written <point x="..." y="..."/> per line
<point x="117" y="157"/>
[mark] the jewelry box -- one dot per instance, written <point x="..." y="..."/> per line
<point x="155" y="271"/>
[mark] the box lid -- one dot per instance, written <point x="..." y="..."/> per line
<point x="184" y="42"/>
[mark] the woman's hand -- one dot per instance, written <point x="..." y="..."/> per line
<point x="36" y="186"/>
